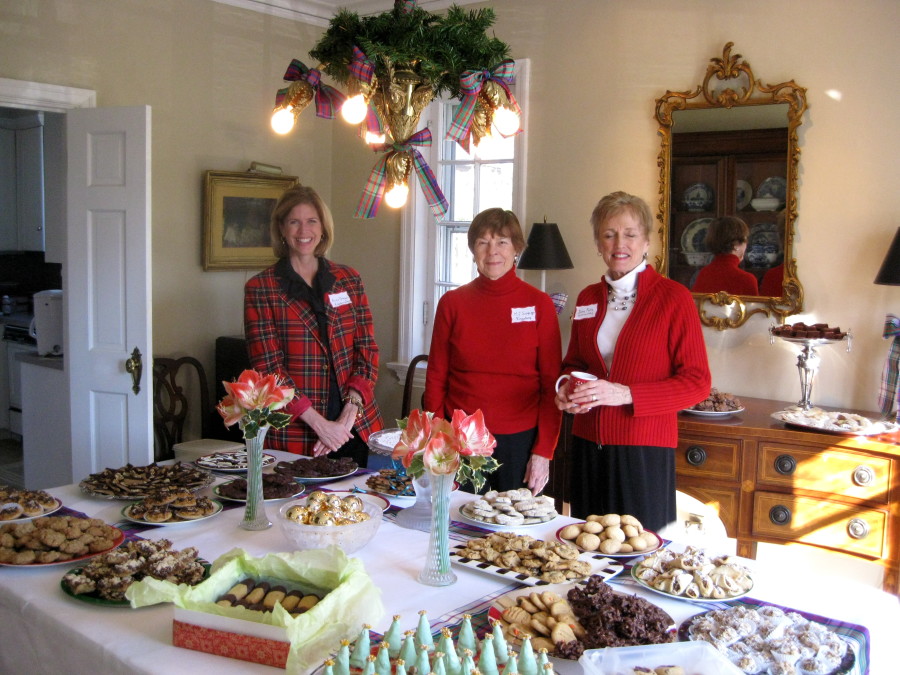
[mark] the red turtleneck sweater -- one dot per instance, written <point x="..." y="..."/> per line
<point x="723" y="274"/>
<point x="496" y="346"/>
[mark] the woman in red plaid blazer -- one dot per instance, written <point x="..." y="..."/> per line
<point x="307" y="320"/>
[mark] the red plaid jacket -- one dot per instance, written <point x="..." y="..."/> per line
<point x="283" y="338"/>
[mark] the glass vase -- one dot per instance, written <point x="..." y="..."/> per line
<point x="255" y="517"/>
<point x="418" y="516"/>
<point x="437" y="571"/>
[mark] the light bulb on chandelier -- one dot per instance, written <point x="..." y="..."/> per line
<point x="506" y="121"/>
<point x="282" y="120"/>
<point x="375" y="139"/>
<point x="354" y="109"/>
<point x="396" y="196"/>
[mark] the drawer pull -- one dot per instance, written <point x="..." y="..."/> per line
<point x="780" y="515"/>
<point x="785" y="465"/>
<point x="857" y="528"/>
<point x="695" y="455"/>
<point x="863" y="475"/>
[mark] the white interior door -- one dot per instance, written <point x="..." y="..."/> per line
<point x="108" y="286"/>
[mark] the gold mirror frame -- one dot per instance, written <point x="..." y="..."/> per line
<point x="748" y="91"/>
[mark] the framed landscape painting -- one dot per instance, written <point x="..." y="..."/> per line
<point x="237" y="207"/>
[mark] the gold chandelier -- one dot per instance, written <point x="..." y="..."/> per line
<point x="392" y="66"/>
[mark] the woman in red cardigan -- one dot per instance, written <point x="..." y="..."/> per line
<point x="640" y="334"/>
<point x="307" y="320"/>
<point x="727" y="239"/>
<point x="496" y="347"/>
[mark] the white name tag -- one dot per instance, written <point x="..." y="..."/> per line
<point x="586" y="311"/>
<point x="339" y="299"/>
<point x="521" y="314"/>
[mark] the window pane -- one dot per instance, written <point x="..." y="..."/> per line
<point x="497" y="148"/>
<point x="495" y="182"/>
<point x="461" y="266"/>
<point x="460" y="191"/>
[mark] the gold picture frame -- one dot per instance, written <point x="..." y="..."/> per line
<point x="236" y="211"/>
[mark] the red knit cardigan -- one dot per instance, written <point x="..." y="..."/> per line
<point x="283" y="338"/>
<point x="660" y="354"/>
<point x="496" y="347"/>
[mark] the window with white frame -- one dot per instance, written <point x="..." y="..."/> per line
<point x="435" y="255"/>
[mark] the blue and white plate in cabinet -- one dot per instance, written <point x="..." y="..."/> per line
<point x="698" y="197"/>
<point x="744" y="195"/>
<point x="773" y="186"/>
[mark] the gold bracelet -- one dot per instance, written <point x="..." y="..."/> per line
<point x="355" y="400"/>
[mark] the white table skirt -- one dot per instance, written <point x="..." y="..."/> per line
<point x="45" y="631"/>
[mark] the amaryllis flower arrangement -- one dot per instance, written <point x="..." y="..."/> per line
<point x="462" y="446"/>
<point x="253" y="401"/>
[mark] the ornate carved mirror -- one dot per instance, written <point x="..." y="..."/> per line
<point x="729" y="148"/>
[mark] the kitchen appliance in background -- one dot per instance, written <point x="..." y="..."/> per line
<point x="47" y="325"/>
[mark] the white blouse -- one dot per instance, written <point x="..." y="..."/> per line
<point x="621" y="301"/>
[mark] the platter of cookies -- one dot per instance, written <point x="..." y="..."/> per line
<point x="612" y="534"/>
<point x="23" y="505"/>
<point x="56" y="540"/>
<point x="173" y="507"/>
<point x="567" y="619"/>
<point x="391" y="484"/>
<point x="263" y="596"/>
<point x="693" y="575"/>
<point x="509" y="509"/>
<point x="833" y="422"/>
<point x="529" y="561"/>
<point x="137" y="482"/>
<point x="104" y="580"/>
<point x="230" y="462"/>
<point x="717" y="404"/>
<point x="317" y="469"/>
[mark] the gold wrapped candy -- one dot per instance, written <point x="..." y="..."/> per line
<point x="328" y="509"/>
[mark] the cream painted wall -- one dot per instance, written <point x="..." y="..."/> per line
<point x="210" y="71"/>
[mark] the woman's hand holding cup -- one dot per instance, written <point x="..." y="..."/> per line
<point x="568" y="388"/>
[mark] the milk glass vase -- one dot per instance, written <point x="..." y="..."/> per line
<point x="418" y="516"/>
<point x="255" y="517"/>
<point x="437" y="570"/>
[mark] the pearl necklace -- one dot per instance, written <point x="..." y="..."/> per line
<point x="626" y="300"/>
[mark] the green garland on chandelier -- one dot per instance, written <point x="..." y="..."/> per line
<point x="441" y="48"/>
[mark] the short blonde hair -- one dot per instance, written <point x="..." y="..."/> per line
<point x="616" y="202"/>
<point x="500" y="222"/>
<point x="300" y="194"/>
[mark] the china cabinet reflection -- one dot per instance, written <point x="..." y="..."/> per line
<point x="718" y="173"/>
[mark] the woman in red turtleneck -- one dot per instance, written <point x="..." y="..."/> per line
<point x="496" y="347"/>
<point x="727" y="238"/>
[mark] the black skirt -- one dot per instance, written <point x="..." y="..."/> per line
<point x="637" y="480"/>
<point x="513" y="451"/>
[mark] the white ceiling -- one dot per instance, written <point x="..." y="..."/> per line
<point x="319" y="12"/>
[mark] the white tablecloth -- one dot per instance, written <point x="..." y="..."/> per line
<point x="45" y="631"/>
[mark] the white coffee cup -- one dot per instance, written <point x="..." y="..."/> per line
<point x="577" y="376"/>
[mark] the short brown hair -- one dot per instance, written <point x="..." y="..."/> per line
<point x="616" y="202"/>
<point x="724" y="233"/>
<point x="499" y="222"/>
<point x="300" y="194"/>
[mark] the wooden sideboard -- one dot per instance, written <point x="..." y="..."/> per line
<point x="777" y="484"/>
<point x="773" y="483"/>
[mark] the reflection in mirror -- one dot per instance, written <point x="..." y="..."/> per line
<point x="729" y="148"/>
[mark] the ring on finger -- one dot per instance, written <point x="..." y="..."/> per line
<point x="594" y="399"/>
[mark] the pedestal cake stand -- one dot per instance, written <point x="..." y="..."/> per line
<point x="808" y="361"/>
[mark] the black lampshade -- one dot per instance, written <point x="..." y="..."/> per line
<point x="545" y="249"/>
<point x="889" y="274"/>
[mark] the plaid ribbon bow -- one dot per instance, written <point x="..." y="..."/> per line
<point x="890" y="378"/>
<point x="328" y="99"/>
<point x="471" y="84"/>
<point x="374" y="190"/>
<point x="360" y="67"/>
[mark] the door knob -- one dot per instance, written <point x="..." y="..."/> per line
<point x="134" y="366"/>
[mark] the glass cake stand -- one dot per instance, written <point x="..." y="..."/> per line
<point x="808" y="361"/>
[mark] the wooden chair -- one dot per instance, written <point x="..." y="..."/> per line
<point x="408" y="384"/>
<point x="172" y="386"/>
